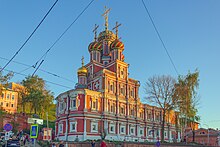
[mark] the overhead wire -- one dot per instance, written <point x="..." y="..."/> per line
<point x="29" y="36"/>
<point x="34" y="66"/>
<point x="43" y="57"/>
<point x="160" y="38"/>
<point x="44" y="79"/>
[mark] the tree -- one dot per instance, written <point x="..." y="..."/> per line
<point x="186" y="93"/>
<point x="36" y="96"/>
<point x="159" y="90"/>
<point x="4" y="80"/>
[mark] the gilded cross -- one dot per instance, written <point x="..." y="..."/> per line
<point x="105" y="14"/>
<point x="116" y="29"/>
<point x="95" y="31"/>
<point x="82" y="61"/>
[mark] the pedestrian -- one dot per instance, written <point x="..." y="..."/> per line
<point x="53" y="145"/>
<point x="61" y="144"/>
<point x="93" y="143"/>
<point x="103" y="144"/>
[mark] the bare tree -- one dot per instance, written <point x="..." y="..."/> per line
<point x="159" y="90"/>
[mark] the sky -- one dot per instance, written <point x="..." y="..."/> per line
<point x="189" y="29"/>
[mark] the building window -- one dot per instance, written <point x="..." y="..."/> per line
<point x="73" y="126"/>
<point x="122" y="110"/>
<point x="73" y="103"/>
<point x="132" y="130"/>
<point x="3" y="95"/>
<point x="112" y="128"/>
<point x="7" y="105"/>
<point x="149" y="116"/>
<point x="149" y="132"/>
<point x="12" y="97"/>
<point x="12" y="105"/>
<point x="122" y="129"/>
<point x="94" y="104"/>
<point x="165" y="133"/>
<point x="141" y="131"/>
<point x="62" y="105"/>
<point x="60" y="128"/>
<point x="8" y="96"/>
<point x="1" y="103"/>
<point x="94" y="127"/>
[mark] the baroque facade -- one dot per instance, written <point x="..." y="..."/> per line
<point x="105" y="101"/>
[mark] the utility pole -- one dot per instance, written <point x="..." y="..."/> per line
<point x="47" y="126"/>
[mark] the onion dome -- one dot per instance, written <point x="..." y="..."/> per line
<point x="95" y="46"/>
<point x="106" y="35"/>
<point x="82" y="71"/>
<point x="117" y="44"/>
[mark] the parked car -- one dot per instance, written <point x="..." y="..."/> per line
<point x="14" y="142"/>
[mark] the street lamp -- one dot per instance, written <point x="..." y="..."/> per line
<point x="208" y="132"/>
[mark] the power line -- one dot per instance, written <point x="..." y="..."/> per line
<point x="29" y="37"/>
<point x="34" y="66"/>
<point x="44" y="80"/>
<point x="45" y="54"/>
<point x="161" y="40"/>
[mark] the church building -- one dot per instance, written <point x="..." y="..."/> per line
<point x="105" y="102"/>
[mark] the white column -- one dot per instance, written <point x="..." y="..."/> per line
<point x="170" y="138"/>
<point x="66" y="133"/>
<point x="84" y="133"/>
<point x="85" y="101"/>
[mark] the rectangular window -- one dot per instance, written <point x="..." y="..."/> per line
<point x="132" y="130"/>
<point x="7" y="105"/>
<point x="141" y="132"/>
<point x="122" y="110"/>
<point x="3" y="96"/>
<point x="94" y="127"/>
<point x="8" y="96"/>
<point x="61" y="105"/>
<point x="73" y="126"/>
<point x="112" y="128"/>
<point x="12" y="97"/>
<point x="60" y="128"/>
<point x="122" y="129"/>
<point x="12" y="105"/>
<point x="165" y="133"/>
<point x="94" y="104"/>
<point x="1" y="103"/>
<point x="73" y="103"/>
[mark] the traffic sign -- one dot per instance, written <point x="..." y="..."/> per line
<point x="158" y="144"/>
<point x="47" y="134"/>
<point x="35" y="120"/>
<point x="8" y="127"/>
<point x="7" y="136"/>
<point x="34" y="131"/>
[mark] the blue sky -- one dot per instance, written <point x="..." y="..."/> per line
<point x="190" y="30"/>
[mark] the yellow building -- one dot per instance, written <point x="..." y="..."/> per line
<point x="9" y="99"/>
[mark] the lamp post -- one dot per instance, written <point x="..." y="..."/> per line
<point x="208" y="132"/>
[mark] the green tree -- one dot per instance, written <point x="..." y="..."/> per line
<point x="4" y="80"/>
<point x="159" y="90"/>
<point x="186" y="93"/>
<point x="36" y="96"/>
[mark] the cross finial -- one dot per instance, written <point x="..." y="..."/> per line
<point x="95" y="31"/>
<point x="116" y="29"/>
<point x="82" y="61"/>
<point x="105" y="14"/>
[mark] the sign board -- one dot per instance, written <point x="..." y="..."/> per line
<point x="34" y="131"/>
<point x="35" y="121"/>
<point x="158" y="144"/>
<point x="47" y="134"/>
<point x="7" y="127"/>
<point x="7" y="136"/>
